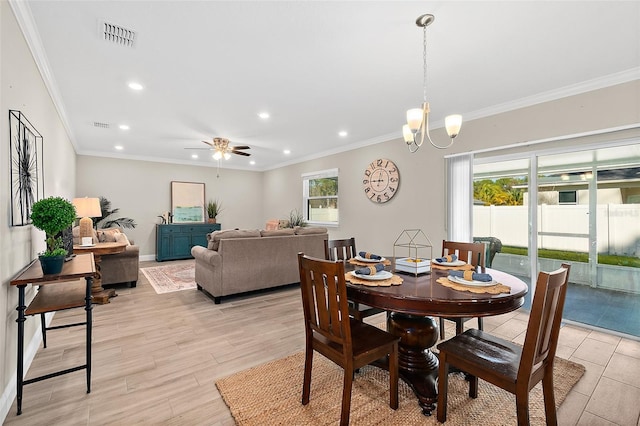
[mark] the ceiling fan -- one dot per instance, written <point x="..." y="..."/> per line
<point x="221" y="148"/>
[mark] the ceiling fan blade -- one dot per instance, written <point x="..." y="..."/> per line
<point x="204" y="149"/>
<point x="241" y="153"/>
<point x="240" y="147"/>
<point x="209" y="143"/>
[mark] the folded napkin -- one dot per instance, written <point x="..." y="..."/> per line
<point x="470" y="275"/>
<point x="449" y="258"/>
<point x="368" y="255"/>
<point x="370" y="270"/>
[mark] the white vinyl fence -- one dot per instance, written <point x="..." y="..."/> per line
<point x="618" y="226"/>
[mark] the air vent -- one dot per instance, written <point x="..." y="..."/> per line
<point x="100" y="125"/>
<point x="117" y="34"/>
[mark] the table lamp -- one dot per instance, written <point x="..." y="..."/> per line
<point x="86" y="208"/>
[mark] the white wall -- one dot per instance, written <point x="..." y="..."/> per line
<point x="22" y="88"/>
<point x="141" y="190"/>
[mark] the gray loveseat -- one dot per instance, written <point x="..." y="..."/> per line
<point x="115" y="268"/>
<point x="238" y="261"/>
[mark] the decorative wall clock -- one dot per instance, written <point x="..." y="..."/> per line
<point x="27" y="180"/>
<point x="381" y="180"/>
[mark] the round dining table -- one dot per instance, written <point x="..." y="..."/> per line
<point x="413" y="306"/>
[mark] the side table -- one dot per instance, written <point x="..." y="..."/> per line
<point x="81" y="266"/>
<point x="100" y="295"/>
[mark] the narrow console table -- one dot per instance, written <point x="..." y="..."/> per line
<point x="174" y="241"/>
<point x="49" y="300"/>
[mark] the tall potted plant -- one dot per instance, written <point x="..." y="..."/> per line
<point x="52" y="215"/>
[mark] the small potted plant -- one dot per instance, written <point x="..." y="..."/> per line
<point x="52" y="215"/>
<point x="214" y="207"/>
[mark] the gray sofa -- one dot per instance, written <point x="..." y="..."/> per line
<point x="239" y="261"/>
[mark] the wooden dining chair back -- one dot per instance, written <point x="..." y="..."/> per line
<point x="330" y="330"/>
<point x="473" y="254"/>
<point x="516" y="369"/>
<point x="345" y="249"/>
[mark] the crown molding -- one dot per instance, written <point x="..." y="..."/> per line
<point x="22" y="12"/>
<point x="552" y="95"/>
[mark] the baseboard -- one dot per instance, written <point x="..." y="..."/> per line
<point x="146" y="257"/>
<point x="10" y="391"/>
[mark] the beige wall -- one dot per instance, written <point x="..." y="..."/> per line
<point x="251" y="198"/>
<point x="419" y="201"/>
<point x="141" y="190"/>
<point x="22" y="88"/>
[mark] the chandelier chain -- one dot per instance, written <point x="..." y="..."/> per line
<point x="424" y="61"/>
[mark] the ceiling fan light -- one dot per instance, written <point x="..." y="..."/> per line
<point x="453" y="123"/>
<point x="414" y="119"/>
<point x="227" y="155"/>
<point x="217" y="155"/>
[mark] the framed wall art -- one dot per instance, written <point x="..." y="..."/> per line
<point x="187" y="202"/>
<point x="27" y="167"/>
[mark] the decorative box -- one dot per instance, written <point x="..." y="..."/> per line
<point x="413" y="265"/>
<point x="412" y="252"/>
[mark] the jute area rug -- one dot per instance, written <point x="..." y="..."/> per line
<point x="171" y="277"/>
<point x="270" y="394"/>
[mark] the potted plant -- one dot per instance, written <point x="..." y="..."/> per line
<point x="52" y="215"/>
<point x="214" y="207"/>
<point x="296" y="218"/>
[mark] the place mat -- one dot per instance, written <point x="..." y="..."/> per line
<point x="465" y="267"/>
<point x="353" y="261"/>
<point x="494" y="289"/>
<point x="394" y="280"/>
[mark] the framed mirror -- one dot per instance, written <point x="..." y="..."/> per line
<point x="187" y="202"/>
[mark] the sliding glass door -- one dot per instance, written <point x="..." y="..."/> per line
<point x="581" y="207"/>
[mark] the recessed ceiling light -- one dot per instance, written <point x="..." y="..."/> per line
<point x="194" y="155"/>
<point x="119" y="147"/>
<point x="286" y="151"/>
<point x="123" y="127"/>
<point x="263" y="115"/>
<point x="343" y="133"/>
<point x="135" y="86"/>
<point x="252" y="162"/>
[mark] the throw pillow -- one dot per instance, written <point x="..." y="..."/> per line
<point x="271" y="225"/>
<point x="108" y="235"/>
<point x="122" y="238"/>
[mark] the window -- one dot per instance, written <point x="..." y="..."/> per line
<point x="567" y="197"/>
<point x="320" y="197"/>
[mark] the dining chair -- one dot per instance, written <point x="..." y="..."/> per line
<point x="473" y="254"/>
<point x="345" y="249"/>
<point x="330" y="331"/>
<point x="516" y="369"/>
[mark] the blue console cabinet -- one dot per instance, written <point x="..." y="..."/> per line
<point x="174" y="241"/>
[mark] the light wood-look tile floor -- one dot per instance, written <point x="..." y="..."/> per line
<point x="156" y="359"/>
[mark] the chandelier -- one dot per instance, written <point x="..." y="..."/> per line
<point x="417" y="127"/>
<point x="221" y="148"/>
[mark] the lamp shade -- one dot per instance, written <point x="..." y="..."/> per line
<point x="414" y="119"/>
<point x="453" y="123"/>
<point x="86" y="208"/>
